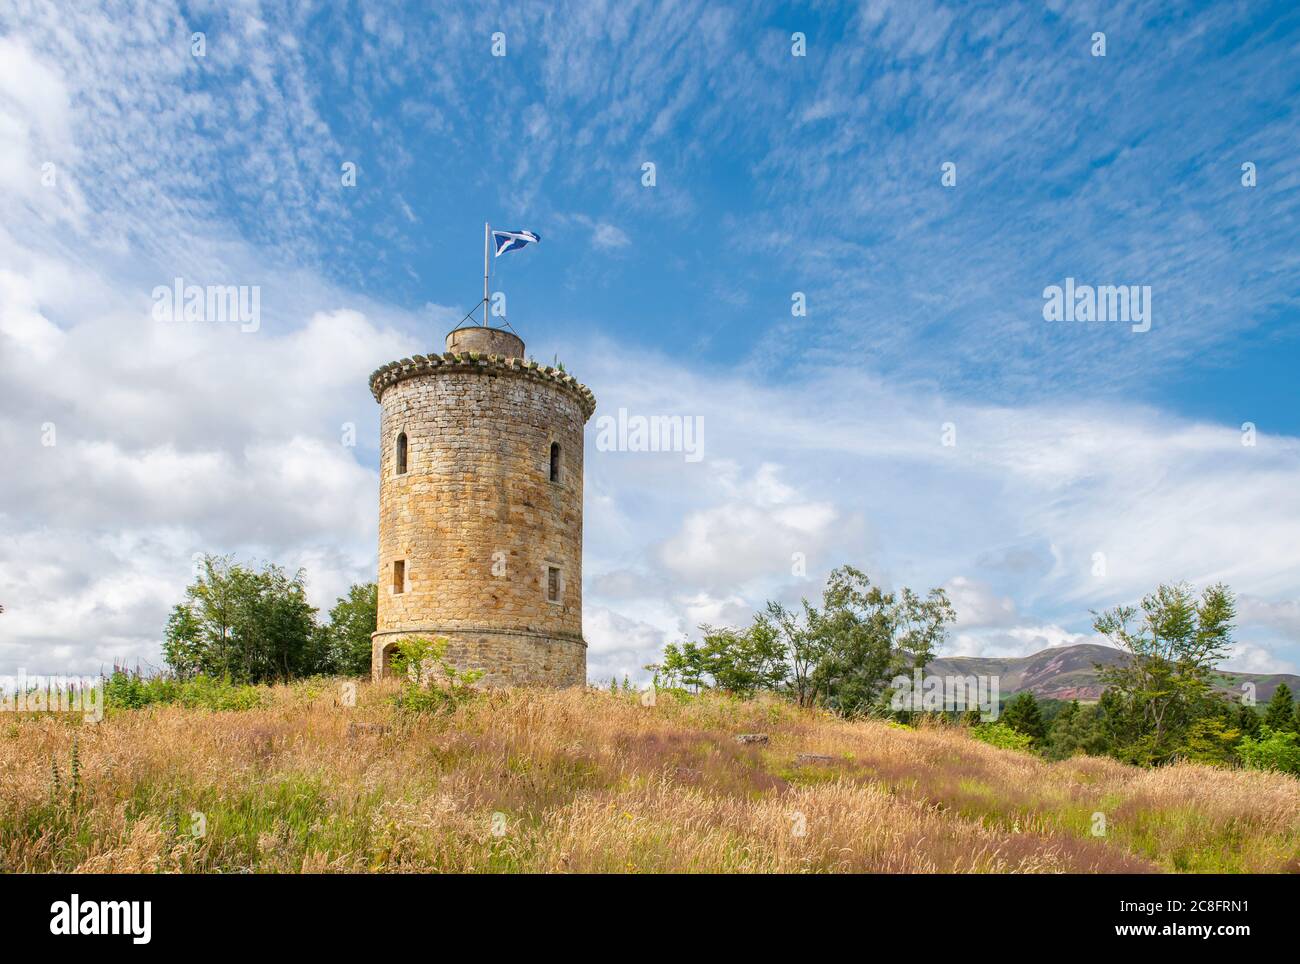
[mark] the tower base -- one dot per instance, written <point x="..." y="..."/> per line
<point x="506" y="657"/>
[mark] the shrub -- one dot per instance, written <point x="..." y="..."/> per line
<point x="430" y="684"/>
<point x="1274" y="750"/>
<point x="1002" y="736"/>
<point x="1212" y="741"/>
<point x="129" y="691"/>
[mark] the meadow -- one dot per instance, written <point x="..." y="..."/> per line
<point x="594" y="781"/>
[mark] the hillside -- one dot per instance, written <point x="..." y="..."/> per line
<point x="592" y="781"/>
<point x="1069" y="673"/>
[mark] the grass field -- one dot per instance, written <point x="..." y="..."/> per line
<point x="593" y="781"/>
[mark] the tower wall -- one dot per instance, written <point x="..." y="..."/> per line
<point x="476" y="520"/>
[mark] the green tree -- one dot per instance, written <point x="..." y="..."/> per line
<point x="1165" y="684"/>
<point x="803" y="650"/>
<point x="845" y="654"/>
<point x="276" y="637"/>
<point x="244" y="625"/>
<point x="1076" y="729"/>
<point x="744" y="661"/>
<point x="1247" y="720"/>
<point x="1057" y="745"/>
<point x="1212" y="739"/>
<point x="740" y="661"/>
<point x="1023" y="715"/>
<point x="1271" y="751"/>
<point x="682" y="666"/>
<point x="184" y="642"/>
<point x="1115" y="721"/>
<point x="198" y="637"/>
<point x="1279" y="715"/>
<point x="347" y="635"/>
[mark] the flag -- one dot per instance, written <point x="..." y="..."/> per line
<point x="513" y="240"/>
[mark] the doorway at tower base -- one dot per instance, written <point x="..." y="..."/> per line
<point x="506" y="658"/>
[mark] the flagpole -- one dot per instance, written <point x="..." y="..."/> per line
<point x="486" y="231"/>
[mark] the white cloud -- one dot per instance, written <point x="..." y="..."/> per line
<point x="174" y="439"/>
<point x="1250" y="658"/>
<point x="607" y="236"/>
<point x="1282" y="615"/>
<point x="756" y="531"/>
<point x="35" y="131"/>
<point x="618" y="646"/>
<point x="977" y="605"/>
<point x="1008" y="520"/>
<point x="604" y="236"/>
<point x="1021" y="640"/>
<point x="406" y="210"/>
<point x="180" y="438"/>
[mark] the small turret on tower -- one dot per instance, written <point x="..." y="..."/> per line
<point x="488" y="341"/>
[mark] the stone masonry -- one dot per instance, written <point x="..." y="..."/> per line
<point x="477" y="542"/>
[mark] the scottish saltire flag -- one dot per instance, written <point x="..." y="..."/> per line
<point x="513" y="240"/>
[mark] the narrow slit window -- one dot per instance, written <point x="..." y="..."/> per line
<point x="555" y="461"/>
<point x="401" y="454"/>
<point x="399" y="576"/>
<point x="552" y="584"/>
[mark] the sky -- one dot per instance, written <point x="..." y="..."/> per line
<point x="838" y="268"/>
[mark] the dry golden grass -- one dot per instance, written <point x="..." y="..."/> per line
<point x="590" y="781"/>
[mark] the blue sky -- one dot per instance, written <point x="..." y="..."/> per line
<point x="774" y="174"/>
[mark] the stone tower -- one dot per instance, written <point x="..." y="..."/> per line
<point x="480" y="509"/>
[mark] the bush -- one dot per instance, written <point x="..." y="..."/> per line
<point x="430" y="684"/>
<point x="128" y="691"/>
<point x="1274" y="750"/>
<point x="1211" y="740"/>
<point x="1002" y="736"/>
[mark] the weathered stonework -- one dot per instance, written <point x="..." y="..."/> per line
<point x="476" y="520"/>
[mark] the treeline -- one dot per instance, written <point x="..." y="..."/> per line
<point x="249" y="626"/>
<point x="841" y="655"/>
<point x="1161" y="704"/>
<point x="246" y="626"/>
<point x="1158" y="706"/>
<point x="1229" y="733"/>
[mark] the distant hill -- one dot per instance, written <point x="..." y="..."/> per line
<point x="1069" y="673"/>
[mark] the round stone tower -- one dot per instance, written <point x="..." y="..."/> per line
<point x="480" y="510"/>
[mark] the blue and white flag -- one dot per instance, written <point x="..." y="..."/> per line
<point x="513" y="240"/>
